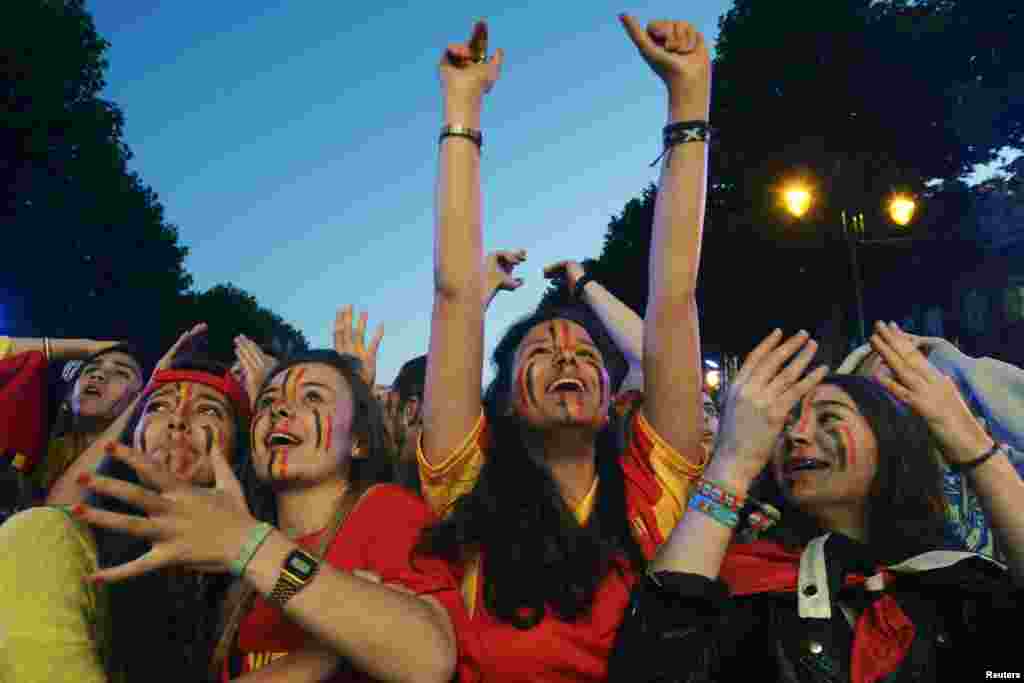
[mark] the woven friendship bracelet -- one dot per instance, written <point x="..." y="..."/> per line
<point x="720" y="495"/>
<point x="715" y="510"/>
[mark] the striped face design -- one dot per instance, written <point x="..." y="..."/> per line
<point x="828" y="455"/>
<point x="300" y="432"/>
<point x="560" y="378"/>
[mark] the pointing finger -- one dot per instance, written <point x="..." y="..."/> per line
<point x="637" y="34"/>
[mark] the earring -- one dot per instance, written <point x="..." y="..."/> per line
<point x="357" y="450"/>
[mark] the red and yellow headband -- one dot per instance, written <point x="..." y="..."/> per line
<point x="225" y="384"/>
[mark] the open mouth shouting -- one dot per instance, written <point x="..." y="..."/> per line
<point x="798" y="465"/>
<point x="567" y="385"/>
<point x="278" y="439"/>
<point x="92" y="391"/>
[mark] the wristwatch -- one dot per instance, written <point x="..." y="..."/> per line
<point x="298" y="570"/>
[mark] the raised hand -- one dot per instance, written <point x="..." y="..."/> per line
<point x="185" y="343"/>
<point x="568" y="272"/>
<point x="462" y="75"/>
<point x="677" y="53"/>
<point x="931" y="394"/>
<point x="253" y="364"/>
<point x="499" y="267"/>
<point x="759" y="401"/>
<point x="189" y="526"/>
<point x="349" y="340"/>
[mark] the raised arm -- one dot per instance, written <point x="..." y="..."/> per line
<point x="58" y="349"/>
<point x="671" y="355"/>
<point x="757" y="404"/>
<point x="455" y="357"/>
<point x="963" y="441"/>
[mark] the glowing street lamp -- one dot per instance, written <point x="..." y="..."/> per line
<point x="713" y="378"/>
<point x="797" y="199"/>
<point x="901" y="209"/>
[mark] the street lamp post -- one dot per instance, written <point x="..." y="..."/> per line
<point x="798" y="197"/>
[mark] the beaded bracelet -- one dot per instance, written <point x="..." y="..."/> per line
<point x="462" y="132"/>
<point x="715" y="510"/>
<point x="257" y="535"/>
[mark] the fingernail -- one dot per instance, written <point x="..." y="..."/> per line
<point x="98" y="580"/>
<point x="83" y="479"/>
<point x="78" y="510"/>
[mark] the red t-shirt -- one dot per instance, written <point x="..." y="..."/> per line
<point x="22" y="408"/>
<point x="378" y="537"/>
<point x="657" y="483"/>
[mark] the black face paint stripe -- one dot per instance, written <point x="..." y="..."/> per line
<point x="319" y="435"/>
<point x="209" y="439"/>
<point x="142" y="438"/>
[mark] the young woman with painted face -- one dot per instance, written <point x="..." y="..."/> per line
<point x="55" y="624"/>
<point x="318" y="448"/>
<point x="100" y="391"/>
<point x="60" y="474"/>
<point x="548" y="519"/>
<point x="853" y="582"/>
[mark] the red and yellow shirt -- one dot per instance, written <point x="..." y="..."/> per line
<point x="377" y="537"/>
<point x="658" y="481"/>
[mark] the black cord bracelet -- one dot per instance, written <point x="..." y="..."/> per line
<point x="577" y="291"/>
<point x="965" y="467"/>
<point x="680" y="132"/>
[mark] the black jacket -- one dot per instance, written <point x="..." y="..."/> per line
<point x="689" y="629"/>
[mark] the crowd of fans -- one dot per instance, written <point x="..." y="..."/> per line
<point x="592" y="514"/>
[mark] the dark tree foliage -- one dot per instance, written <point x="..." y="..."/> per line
<point x="90" y="253"/>
<point x="230" y="311"/>
<point x="859" y="99"/>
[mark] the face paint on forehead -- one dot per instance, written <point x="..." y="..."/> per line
<point x="291" y="383"/>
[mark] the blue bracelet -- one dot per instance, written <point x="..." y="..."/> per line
<point x="717" y="511"/>
<point x="257" y="535"/>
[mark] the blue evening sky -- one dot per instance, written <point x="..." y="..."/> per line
<point x="295" y="143"/>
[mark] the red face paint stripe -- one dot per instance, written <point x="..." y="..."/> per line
<point x="327" y="441"/>
<point x="805" y="414"/>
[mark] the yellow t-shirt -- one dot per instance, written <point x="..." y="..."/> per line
<point x="53" y="624"/>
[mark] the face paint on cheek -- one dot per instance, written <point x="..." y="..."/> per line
<point x="847" y="445"/>
<point x="208" y="430"/>
<point x="281" y="465"/>
<point x="525" y="382"/>
<point x="319" y="430"/>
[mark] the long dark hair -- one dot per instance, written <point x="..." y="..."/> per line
<point x="535" y="551"/>
<point x="63" y="423"/>
<point x="376" y="467"/>
<point x="165" y="619"/>
<point x="905" y="513"/>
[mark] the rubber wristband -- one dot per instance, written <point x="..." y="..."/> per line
<point x="257" y="535"/>
<point x="964" y="467"/>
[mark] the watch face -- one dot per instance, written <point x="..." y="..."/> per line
<point x="302" y="564"/>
